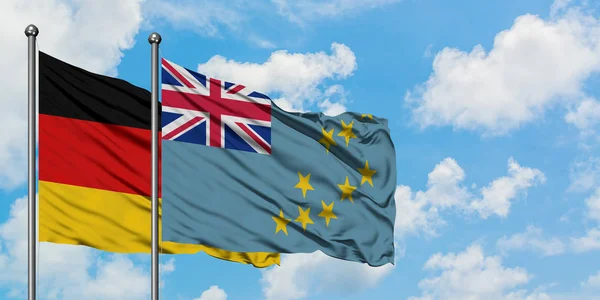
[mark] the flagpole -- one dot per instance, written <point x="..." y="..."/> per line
<point x="31" y="32"/>
<point x="154" y="39"/>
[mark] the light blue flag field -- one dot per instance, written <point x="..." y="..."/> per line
<point x="241" y="174"/>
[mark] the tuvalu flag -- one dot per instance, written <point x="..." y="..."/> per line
<point x="244" y="175"/>
<point x="94" y="165"/>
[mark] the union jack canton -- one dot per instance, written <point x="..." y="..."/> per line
<point x="211" y="112"/>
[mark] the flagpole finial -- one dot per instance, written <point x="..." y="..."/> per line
<point x="31" y="30"/>
<point x="154" y="38"/>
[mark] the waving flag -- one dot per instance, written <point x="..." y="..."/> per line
<point x="243" y="175"/>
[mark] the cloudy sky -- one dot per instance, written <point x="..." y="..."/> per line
<point x="493" y="108"/>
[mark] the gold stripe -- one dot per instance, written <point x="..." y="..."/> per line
<point x="115" y="222"/>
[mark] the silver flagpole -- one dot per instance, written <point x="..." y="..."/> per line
<point x="154" y="39"/>
<point x="31" y="32"/>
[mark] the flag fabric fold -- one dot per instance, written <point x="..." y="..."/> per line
<point x="94" y="165"/>
<point x="244" y="175"/>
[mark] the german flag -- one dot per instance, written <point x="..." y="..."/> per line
<point x="95" y="165"/>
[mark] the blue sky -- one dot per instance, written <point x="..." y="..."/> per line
<point x="493" y="112"/>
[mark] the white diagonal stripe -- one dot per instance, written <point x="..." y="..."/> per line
<point x="256" y="146"/>
<point x="186" y="115"/>
<point x="189" y="77"/>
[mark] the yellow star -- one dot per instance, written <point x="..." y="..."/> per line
<point x="303" y="184"/>
<point x="366" y="115"/>
<point x="304" y="217"/>
<point x="327" y="139"/>
<point x="347" y="190"/>
<point x="327" y="212"/>
<point x="281" y="222"/>
<point x="347" y="132"/>
<point x="367" y="174"/>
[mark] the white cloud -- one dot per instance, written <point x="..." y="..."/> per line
<point x="532" y="239"/>
<point x="559" y="6"/>
<point x="533" y="66"/>
<point x="167" y="267"/>
<point x="589" y="242"/>
<point x="261" y="42"/>
<point x="586" y="115"/>
<point x="470" y="275"/>
<point x="209" y="18"/>
<point x="334" y="103"/>
<point x="428" y="50"/>
<point x="524" y="295"/>
<point x="414" y="213"/>
<point x="585" y="175"/>
<point x="301" y="11"/>
<point x="66" y="27"/>
<point x="68" y="272"/>
<point x="593" y="282"/>
<point x="204" y="17"/>
<point x="497" y="195"/>
<point x="593" y="205"/>
<point x="318" y="273"/>
<point x="213" y="293"/>
<point x="297" y="77"/>
<point x="331" y="109"/>
<point x="443" y="185"/>
<point x="419" y="211"/>
<point x="286" y="105"/>
<point x="117" y="278"/>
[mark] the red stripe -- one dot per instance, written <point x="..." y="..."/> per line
<point x="177" y="74"/>
<point x="186" y="125"/>
<point x="254" y="136"/>
<point x="215" y="115"/>
<point x="96" y="155"/>
<point x="242" y="109"/>
<point x="236" y="89"/>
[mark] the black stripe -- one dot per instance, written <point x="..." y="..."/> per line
<point x="72" y="92"/>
